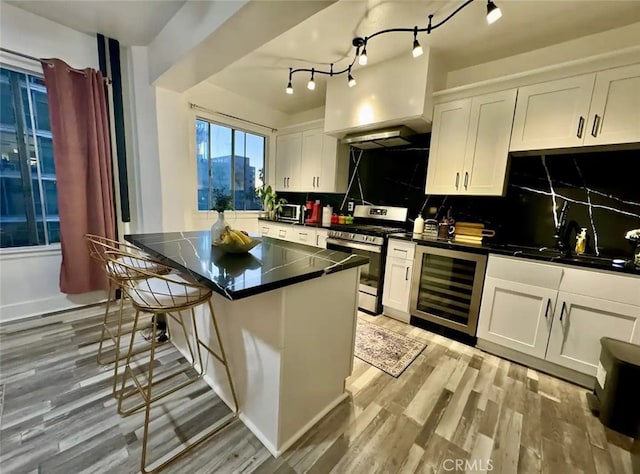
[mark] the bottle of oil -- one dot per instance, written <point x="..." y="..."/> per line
<point x="581" y="241"/>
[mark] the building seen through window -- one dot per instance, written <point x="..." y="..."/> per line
<point x="230" y="166"/>
<point x="28" y="193"/>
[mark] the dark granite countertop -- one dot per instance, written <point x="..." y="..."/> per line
<point x="542" y="254"/>
<point x="315" y="226"/>
<point x="272" y="264"/>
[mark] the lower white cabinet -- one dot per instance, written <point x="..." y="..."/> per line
<point x="398" y="270"/>
<point x="579" y="323"/>
<point x="295" y="233"/>
<point x="557" y="313"/>
<point x="517" y="315"/>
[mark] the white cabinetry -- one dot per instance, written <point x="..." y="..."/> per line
<point x="557" y="313"/>
<point x="295" y="233"/>
<point x="288" y="153"/>
<point x="592" y="109"/>
<point x="397" y="279"/>
<point x="470" y="145"/>
<point x="311" y="161"/>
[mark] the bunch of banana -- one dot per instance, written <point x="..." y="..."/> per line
<point x="233" y="236"/>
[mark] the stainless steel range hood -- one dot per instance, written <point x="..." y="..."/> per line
<point x="384" y="138"/>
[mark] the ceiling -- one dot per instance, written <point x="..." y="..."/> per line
<point x="465" y="40"/>
<point x="132" y="22"/>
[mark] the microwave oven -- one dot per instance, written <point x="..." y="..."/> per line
<point x="291" y="213"/>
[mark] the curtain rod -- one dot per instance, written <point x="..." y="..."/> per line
<point x="33" y="58"/>
<point x="199" y="107"/>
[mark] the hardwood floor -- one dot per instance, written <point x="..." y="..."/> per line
<point x="453" y="404"/>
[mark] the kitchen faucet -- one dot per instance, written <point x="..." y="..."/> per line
<point x="563" y="231"/>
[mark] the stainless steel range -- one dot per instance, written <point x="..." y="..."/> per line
<point x="368" y="236"/>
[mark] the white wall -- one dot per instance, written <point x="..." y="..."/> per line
<point x="176" y="145"/>
<point x="29" y="277"/>
<point x="591" y="45"/>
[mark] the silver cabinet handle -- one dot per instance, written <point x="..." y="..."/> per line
<point x="563" y="309"/>
<point x="284" y="182"/>
<point x="580" y="126"/>
<point x="546" y="312"/>
<point x="314" y="181"/>
<point x="406" y="274"/>
<point x="318" y="181"/>
<point x="466" y="179"/>
<point x="596" y="123"/>
<point x="457" y="179"/>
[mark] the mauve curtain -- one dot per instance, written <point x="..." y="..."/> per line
<point x="82" y="154"/>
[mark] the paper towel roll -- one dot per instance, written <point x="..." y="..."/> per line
<point x="327" y="211"/>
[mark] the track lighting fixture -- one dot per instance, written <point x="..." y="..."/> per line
<point x="493" y="14"/>
<point x="350" y="80"/>
<point x="363" y="59"/>
<point x="311" y="85"/>
<point x="289" y="86"/>
<point x="417" y="49"/>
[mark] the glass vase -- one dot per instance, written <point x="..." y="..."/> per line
<point x="217" y="228"/>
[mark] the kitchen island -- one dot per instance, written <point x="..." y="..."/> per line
<point x="287" y="317"/>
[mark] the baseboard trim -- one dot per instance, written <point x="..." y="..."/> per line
<point x="53" y="304"/>
<point x="570" y="375"/>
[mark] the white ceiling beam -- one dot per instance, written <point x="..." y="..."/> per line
<point x="205" y="37"/>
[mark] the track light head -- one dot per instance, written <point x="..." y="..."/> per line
<point x="350" y="80"/>
<point x="417" y="49"/>
<point x="289" y="88"/>
<point x="311" y="85"/>
<point x="363" y="59"/>
<point x="493" y="12"/>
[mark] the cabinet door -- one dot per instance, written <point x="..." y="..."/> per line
<point x="326" y="181"/>
<point x="397" y="284"/>
<point x="321" y="238"/>
<point x="311" y="163"/>
<point x="552" y="114"/>
<point x="447" y="149"/>
<point x="304" y="235"/>
<point x="288" y="152"/>
<point x="580" y="322"/>
<point x="487" y="149"/>
<point x="516" y="315"/>
<point x="266" y="229"/>
<point x="614" y="116"/>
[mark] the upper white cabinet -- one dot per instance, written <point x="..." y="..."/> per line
<point x="470" y="145"/>
<point x="288" y="153"/>
<point x="615" y="107"/>
<point x="310" y="161"/>
<point x="592" y="109"/>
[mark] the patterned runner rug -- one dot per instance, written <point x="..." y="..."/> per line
<point x="385" y="349"/>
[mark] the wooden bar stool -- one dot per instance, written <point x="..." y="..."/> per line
<point x="171" y="294"/>
<point x="98" y="247"/>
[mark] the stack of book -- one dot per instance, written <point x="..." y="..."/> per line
<point x="471" y="233"/>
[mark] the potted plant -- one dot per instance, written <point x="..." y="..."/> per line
<point x="271" y="204"/>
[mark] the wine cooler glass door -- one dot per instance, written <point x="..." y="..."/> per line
<point x="447" y="287"/>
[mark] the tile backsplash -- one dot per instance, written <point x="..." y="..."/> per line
<point x="602" y="188"/>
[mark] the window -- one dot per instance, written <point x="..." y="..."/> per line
<point x="28" y="193"/>
<point x="230" y="167"/>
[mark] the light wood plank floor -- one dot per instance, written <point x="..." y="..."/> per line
<point x="453" y="404"/>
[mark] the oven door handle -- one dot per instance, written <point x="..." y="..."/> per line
<point x="355" y="245"/>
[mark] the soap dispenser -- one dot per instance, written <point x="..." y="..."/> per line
<point x="581" y="241"/>
<point x="418" y="225"/>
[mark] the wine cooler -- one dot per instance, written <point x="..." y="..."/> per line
<point x="447" y="287"/>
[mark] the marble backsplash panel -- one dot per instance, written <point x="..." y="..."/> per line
<point x="602" y="188"/>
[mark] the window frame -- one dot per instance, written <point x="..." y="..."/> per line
<point x="231" y="124"/>
<point x="22" y="67"/>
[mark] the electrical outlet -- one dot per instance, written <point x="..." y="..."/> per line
<point x="350" y="206"/>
